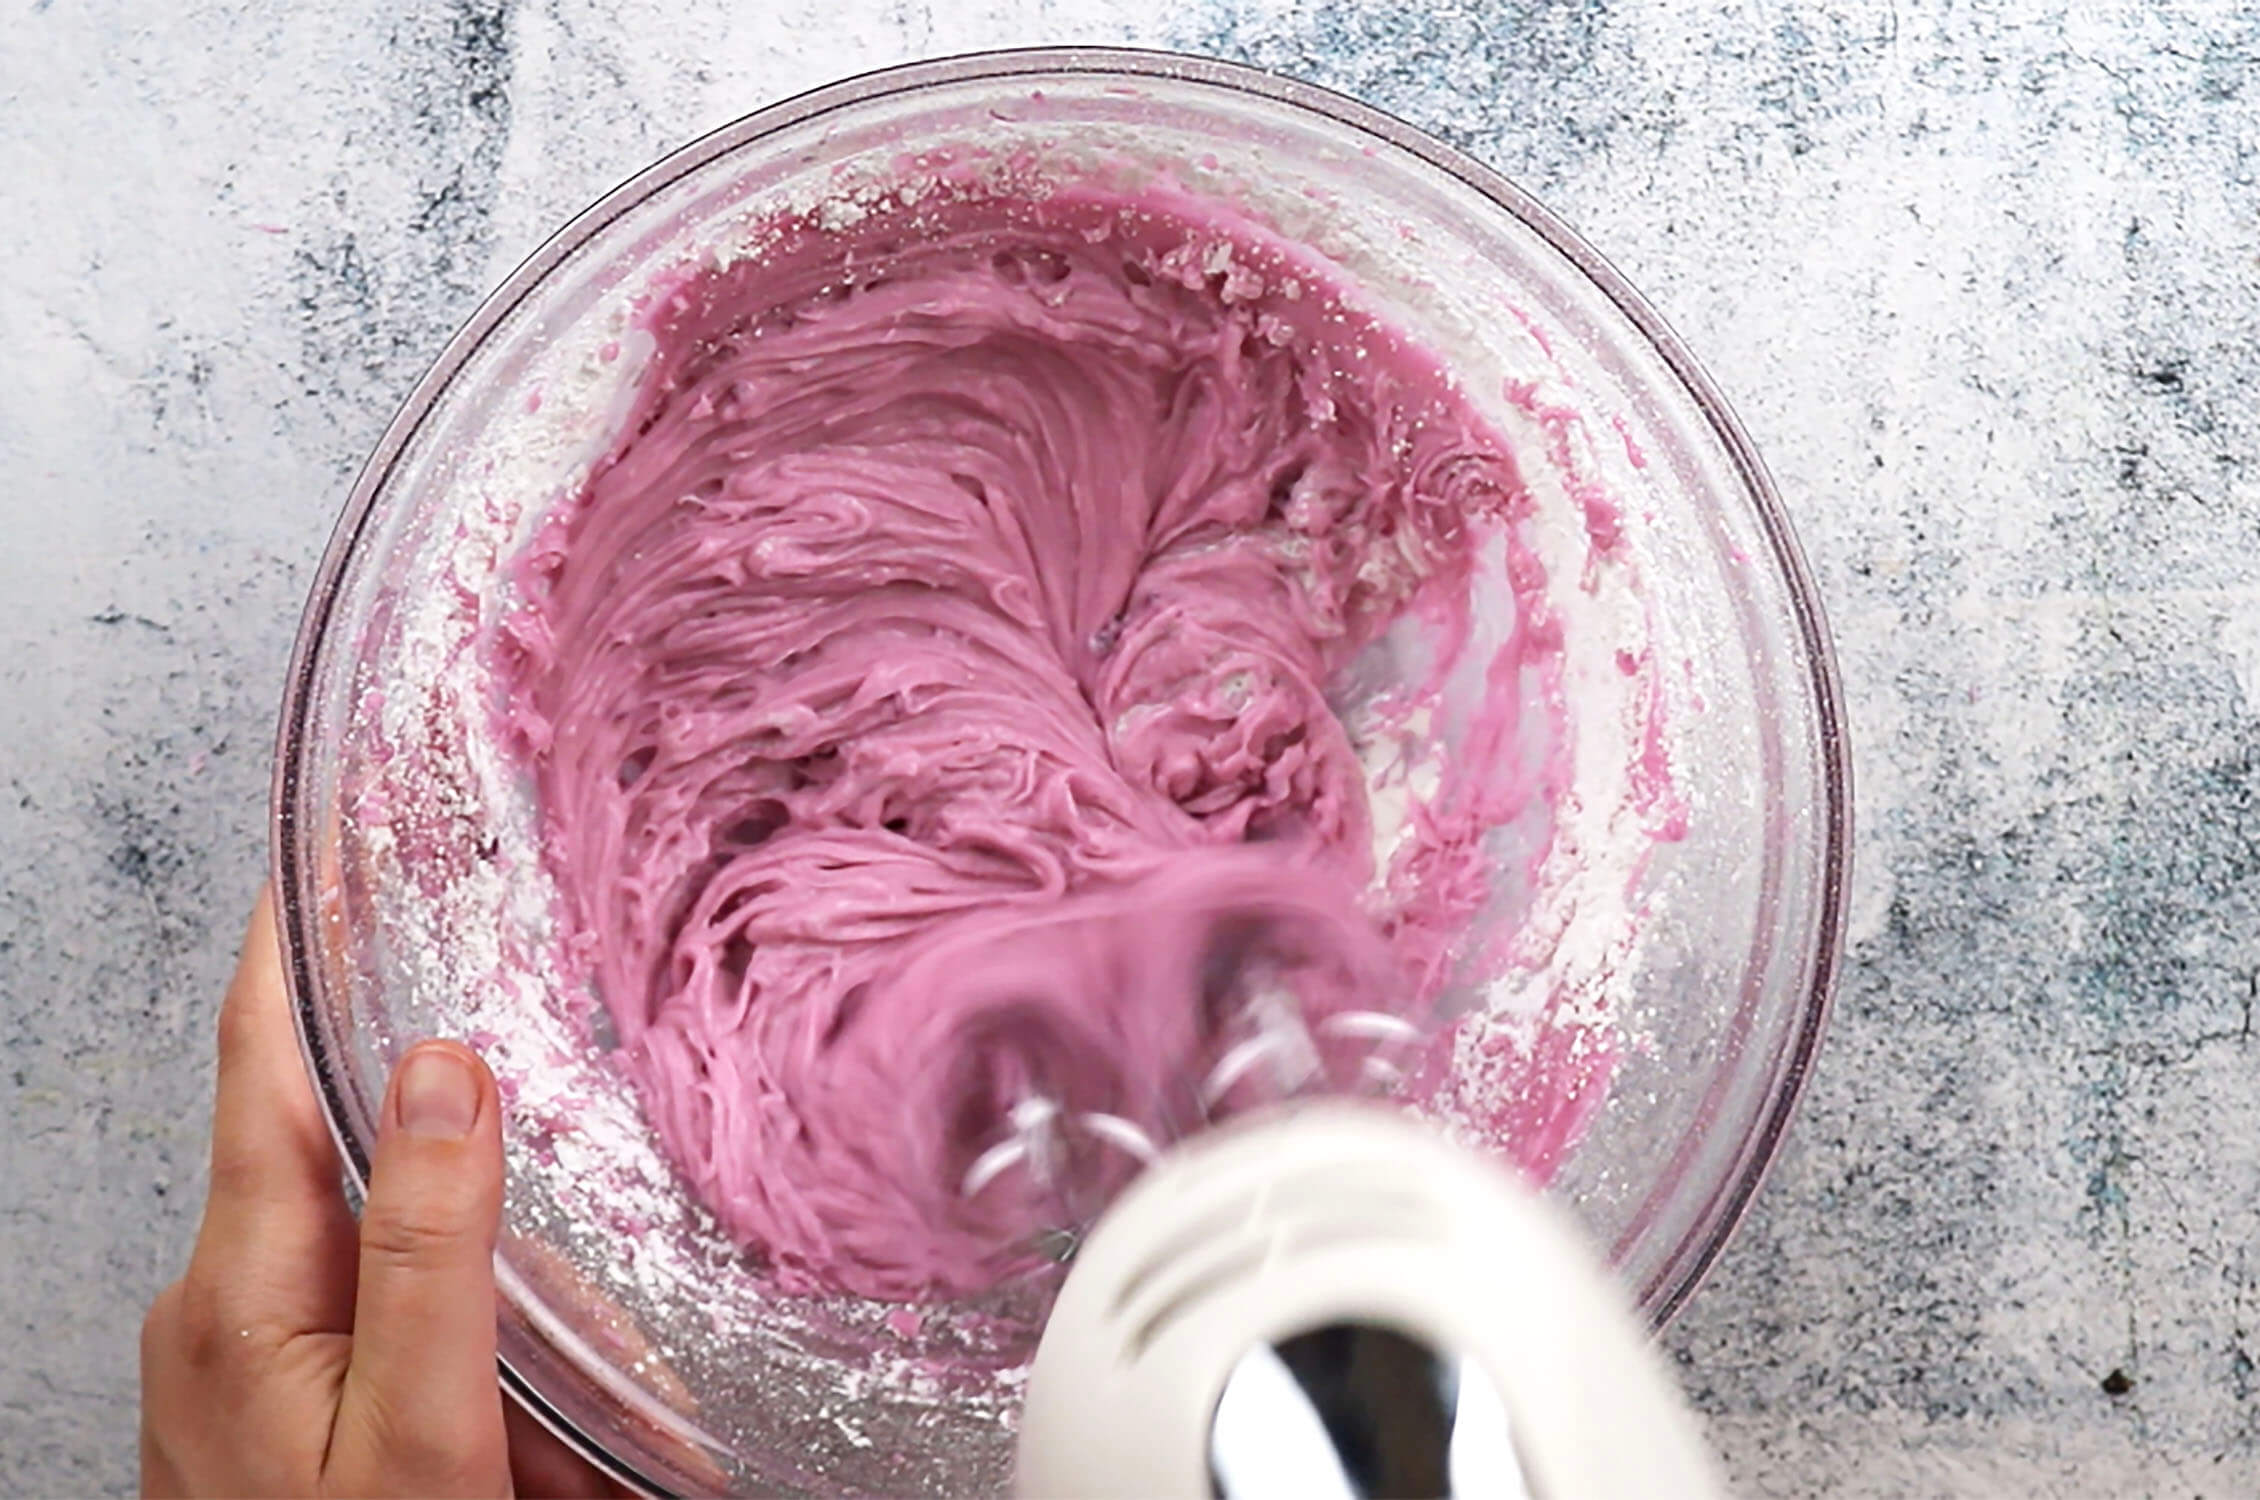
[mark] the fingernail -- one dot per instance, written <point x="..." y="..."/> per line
<point x="439" y="1094"/>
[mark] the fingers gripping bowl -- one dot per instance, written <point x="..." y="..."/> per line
<point x="1640" y="976"/>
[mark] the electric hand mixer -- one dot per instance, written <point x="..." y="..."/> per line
<point x="1324" y="1298"/>
<point x="1333" y="1301"/>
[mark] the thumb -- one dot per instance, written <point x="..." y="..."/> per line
<point x="421" y="1408"/>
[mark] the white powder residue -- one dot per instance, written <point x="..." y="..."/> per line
<point x="633" y="1280"/>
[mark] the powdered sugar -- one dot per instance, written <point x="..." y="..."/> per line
<point x="629" y="1277"/>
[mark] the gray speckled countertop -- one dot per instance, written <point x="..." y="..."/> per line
<point x="1983" y="279"/>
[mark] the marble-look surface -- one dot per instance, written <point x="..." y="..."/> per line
<point x="1984" y="280"/>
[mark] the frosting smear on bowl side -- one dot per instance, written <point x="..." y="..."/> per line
<point x="1004" y="651"/>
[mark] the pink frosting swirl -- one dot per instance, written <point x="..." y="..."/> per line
<point x="928" y="704"/>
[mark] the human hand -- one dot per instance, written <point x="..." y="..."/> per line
<point x="300" y="1356"/>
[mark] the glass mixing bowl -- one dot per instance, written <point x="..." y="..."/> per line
<point x="604" y="1335"/>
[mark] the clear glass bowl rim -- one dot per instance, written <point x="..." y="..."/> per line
<point x="1684" y="1274"/>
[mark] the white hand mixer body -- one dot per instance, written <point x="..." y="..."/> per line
<point x="1328" y="1299"/>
